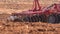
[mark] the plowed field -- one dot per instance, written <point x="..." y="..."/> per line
<point x="27" y="28"/>
<point x="10" y="6"/>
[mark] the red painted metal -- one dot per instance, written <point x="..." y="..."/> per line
<point x="54" y="8"/>
<point x="36" y="5"/>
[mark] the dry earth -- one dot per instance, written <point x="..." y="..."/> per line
<point x="9" y="6"/>
<point x="27" y="27"/>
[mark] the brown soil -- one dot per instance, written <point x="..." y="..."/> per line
<point x="27" y="28"/>
<point x="24" y="27"/>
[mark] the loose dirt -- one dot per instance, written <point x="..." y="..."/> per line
<point x="28" y="27"/>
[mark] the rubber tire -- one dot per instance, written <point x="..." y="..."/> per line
<point x="52" y="19"/>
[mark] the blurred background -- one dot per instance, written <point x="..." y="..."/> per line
<point x="10" y="6"/>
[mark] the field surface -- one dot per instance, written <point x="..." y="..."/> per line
<point x="11" y="6"/>
<point x="27" y="27"/>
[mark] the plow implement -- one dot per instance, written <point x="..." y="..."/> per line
<point x="50" y="14"/>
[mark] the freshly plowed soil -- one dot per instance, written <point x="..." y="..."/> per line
<point x="24" y="27"/>
<point x="28" y="28"/>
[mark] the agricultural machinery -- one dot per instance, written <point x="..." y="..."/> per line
<point x="50" y="14"/>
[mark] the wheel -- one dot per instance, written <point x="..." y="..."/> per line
<point x="58" y="17"/>
<point x="42" y="18"/>
<point x="37" y="18"/>
<point x="52" y="19"/>
<point x="31" y="19"/>
<point x="34" y="18"/>
<point x="18" y="20"/>
<point x="26" y="19"/>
